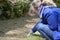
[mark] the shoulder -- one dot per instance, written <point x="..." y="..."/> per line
<point x="50" y="11"/>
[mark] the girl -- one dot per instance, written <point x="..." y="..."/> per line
<point x="49" y="24"/>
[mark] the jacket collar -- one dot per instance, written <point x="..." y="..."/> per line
<point x="42" y="9"/>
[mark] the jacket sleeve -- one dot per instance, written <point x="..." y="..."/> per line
<point x="52" y="20"/>
<point x="34" y="29"/>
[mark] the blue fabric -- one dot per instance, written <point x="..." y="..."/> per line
<point x="56" y="35"/>
<point x="51" y="17"/>
<point x="44" y="30"/>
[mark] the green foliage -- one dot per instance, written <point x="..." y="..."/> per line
<point x="11" y="10"/>
<point x="20" y="8"/>
<point x="35" y="36"/>
<point x="57" y="2"/>
<point x="1" y="10"/>
<point x="7" y="9"/>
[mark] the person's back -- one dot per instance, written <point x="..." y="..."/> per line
<point x="58" y="19"/>
<point x="54" y="20"/>
<point x="56" y="12"/>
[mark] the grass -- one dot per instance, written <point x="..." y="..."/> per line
<point x="35" y="36"/>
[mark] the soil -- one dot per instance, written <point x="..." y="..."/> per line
<point x="17" y="28"/>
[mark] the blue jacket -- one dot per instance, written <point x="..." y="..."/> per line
<point x="51" y="15"/>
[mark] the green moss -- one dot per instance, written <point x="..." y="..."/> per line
<point x="35" y="36"/>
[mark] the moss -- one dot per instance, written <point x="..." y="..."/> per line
<point x="35" y="36"/>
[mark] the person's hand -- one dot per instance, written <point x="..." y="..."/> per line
<point x="30" y="33"/>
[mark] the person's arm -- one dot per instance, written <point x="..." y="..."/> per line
<point x="34" y="29"/>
